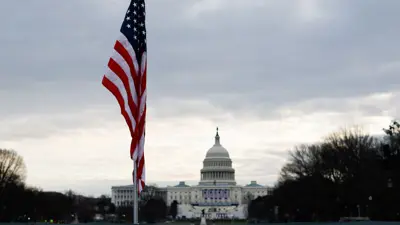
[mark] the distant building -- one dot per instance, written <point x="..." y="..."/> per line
<point x="217" y="192"/>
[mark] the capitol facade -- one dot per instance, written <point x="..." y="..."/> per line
<point x="217" y="192"/>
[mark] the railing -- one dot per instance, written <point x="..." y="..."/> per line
<point x="216" y="204"/>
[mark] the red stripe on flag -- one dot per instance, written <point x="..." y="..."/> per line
<point x="116" y="68"/>
<point x="143" y="82"/>
<point x="114" y="90"/>
<point x="127" y="57"/>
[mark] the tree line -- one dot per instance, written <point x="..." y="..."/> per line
<point x="349" y="174"/>
<point x="21" y="203"/>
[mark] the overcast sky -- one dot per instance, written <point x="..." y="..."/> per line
<point x="270" y="74"/>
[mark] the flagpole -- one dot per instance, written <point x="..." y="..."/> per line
<point x="135" y="194"/>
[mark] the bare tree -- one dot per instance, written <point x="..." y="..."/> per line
<point x="338" y="157"/>
<point x="248" y="197"/>
<point x="12" y="168"/>
<point x="174" y="209"/>
<point x="150" y="192"/>
<point x="392" y="139"/>
<point x="349" y="153"/>
<point x="303" y="160"/>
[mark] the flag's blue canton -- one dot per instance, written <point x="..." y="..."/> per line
<point x="134" y="27"/>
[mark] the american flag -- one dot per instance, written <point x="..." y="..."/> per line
<point x="126" y="80"/>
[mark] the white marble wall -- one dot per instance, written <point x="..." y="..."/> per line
<point x="186" y="195"/>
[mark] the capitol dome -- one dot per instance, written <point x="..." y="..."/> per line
<point x="217" y="166"/>
<point x="217" y="151"/>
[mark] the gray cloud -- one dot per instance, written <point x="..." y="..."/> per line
<point x="37" y="123"/>
<point x="273" y="62"/>
<point x="262" y="57"/>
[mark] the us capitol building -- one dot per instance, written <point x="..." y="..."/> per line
<point x="217" y="192"/>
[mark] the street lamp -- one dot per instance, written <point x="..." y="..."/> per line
<point x="276" y="213"/>
<point x="368" y="206"/>
<point x="390" y="186"/>
<point x="390" y="183"/>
